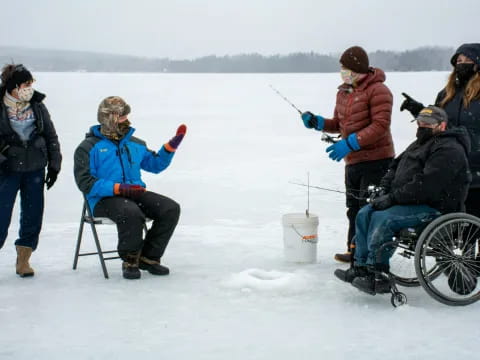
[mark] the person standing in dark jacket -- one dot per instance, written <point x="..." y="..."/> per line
<point x="429" y="178"/>
<point x="107" y="167"/>
<point x="362" y="116"/>
<point x="461" y="100"/>
<point x="28" y="145"/>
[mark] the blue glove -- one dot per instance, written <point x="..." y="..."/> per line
<point x="343" y="147"/>
<point x="312" y="121"/>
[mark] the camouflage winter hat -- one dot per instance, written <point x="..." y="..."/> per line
<point x="110" y="109"/>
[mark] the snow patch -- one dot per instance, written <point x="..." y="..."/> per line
<point x="270" y="281"/>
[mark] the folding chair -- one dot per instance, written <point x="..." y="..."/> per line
<point x="87" y="217"/>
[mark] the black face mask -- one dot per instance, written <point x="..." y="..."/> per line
<point x="464" y="72"/>
<point x="424" y="134"/>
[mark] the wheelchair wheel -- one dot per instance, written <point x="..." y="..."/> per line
<point x="451" y="243"/>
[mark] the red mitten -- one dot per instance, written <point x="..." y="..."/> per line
<point x="174" y="142"/>
<point x="130" y="191"/>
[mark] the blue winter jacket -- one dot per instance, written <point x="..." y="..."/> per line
<point x="100" y="163"/>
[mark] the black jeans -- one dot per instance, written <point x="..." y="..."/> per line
<point x="129" y="216"/>
<point x="357" y="179"/>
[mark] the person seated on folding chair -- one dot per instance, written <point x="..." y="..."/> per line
<point x="107" y="168"/>
<point x="430" y="178"/>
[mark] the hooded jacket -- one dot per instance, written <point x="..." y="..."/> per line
<point x="42" y="149"/>
<point x="469" y="117"/>
<point x="100" y="163"/>
<point x="434" y="173"/>
<point x="365" y="110"/>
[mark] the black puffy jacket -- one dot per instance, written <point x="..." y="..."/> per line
<point x="434" y="173"/>
<point x="42" y="149"/>
<point x="469" y="117"/>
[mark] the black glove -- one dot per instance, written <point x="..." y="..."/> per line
<point x="382" y="202"/>
<point x="52" y="175"/>
<point x="411" y="105"/>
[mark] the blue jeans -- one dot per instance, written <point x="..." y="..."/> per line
<point x="30" y="184"/>
<point x="376" y="227"/>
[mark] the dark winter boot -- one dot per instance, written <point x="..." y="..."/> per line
<point x="130" y="266"/>
<point x="344" y="258"/>
<point x="375" y="282"/>
<point x="153" y="266"/>
<point x="351" y="273"/>
<point x="23" y="256"/>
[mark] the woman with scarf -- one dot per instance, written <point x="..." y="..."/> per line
<point x="28" y="145"/>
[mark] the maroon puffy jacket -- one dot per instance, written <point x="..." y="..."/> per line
<point x="365" y="110"/>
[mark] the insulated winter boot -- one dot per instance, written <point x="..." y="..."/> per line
<point x="345" y="258"/>
<point x="373" y="283"/>
<point x="23" y="256"/>
<point x="351" y="273"/>
<point x="130" y="266"/>
<point x="153" y="266"/>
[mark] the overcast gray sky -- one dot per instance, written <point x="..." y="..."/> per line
<point x="193" y="28"/>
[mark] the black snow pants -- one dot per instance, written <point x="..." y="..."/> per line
<point x="129" y="216"/>
<point x="357" y="179"/>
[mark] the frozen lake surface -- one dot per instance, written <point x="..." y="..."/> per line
<point x="231" y="294"/>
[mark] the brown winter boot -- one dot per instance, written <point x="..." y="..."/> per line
<point x="344" y="258"/>
<point x="23" y="255"/>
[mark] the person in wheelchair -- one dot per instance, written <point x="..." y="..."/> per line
<point x="430" y="178"/>
<point x="107" y="168"/>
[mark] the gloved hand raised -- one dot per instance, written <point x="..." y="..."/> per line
<point x="343" y="147"/>
<point x="413" y="106"/>
<point x="311" y="120"/>
<point x="51" y="177"/>
<point x="128" y="190"/>
<point x="173" y="143"/>
<point x="383" y="202"/>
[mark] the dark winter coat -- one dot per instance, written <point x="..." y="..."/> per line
<point x="100" y="163"/>
<point x="468" y="117"/>
<point x="434" y="173"/>
<point x="365" y="110"/>
<point x="42" y="149"/>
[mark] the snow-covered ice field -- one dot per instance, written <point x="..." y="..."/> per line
<point x="230" y="295"/>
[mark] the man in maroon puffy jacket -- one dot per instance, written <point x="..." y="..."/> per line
<point x="362" y="116"/>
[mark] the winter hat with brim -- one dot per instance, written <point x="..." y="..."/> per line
<point x="19" y="76"/>
<point x="472" y="51"/>
<point x="432" y="115"/>
<point x="355" y="58"/>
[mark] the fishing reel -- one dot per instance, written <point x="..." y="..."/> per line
<point x="373" y="192"/>
<point x="330" y="139"/>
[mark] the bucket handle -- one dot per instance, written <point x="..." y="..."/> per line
<point x="307" y="238"/>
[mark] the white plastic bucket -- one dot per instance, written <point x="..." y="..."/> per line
<point x="300" y="237"/>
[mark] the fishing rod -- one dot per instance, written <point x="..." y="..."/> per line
<point x="325" y="137"/>
<point x="331" y="190"/>
<point x="284" y="98"/>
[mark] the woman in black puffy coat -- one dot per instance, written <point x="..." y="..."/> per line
<point x="461" y="100"/>
<point x="28" y="145"/>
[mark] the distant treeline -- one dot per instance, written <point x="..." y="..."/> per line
<point x="420" y="59"/>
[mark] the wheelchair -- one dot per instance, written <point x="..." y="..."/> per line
<point x="442" y="256"/>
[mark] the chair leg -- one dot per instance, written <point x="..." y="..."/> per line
<point x="99" y="250"/>
<point x="77" y="247"/>
<point x="79" y="238"/>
